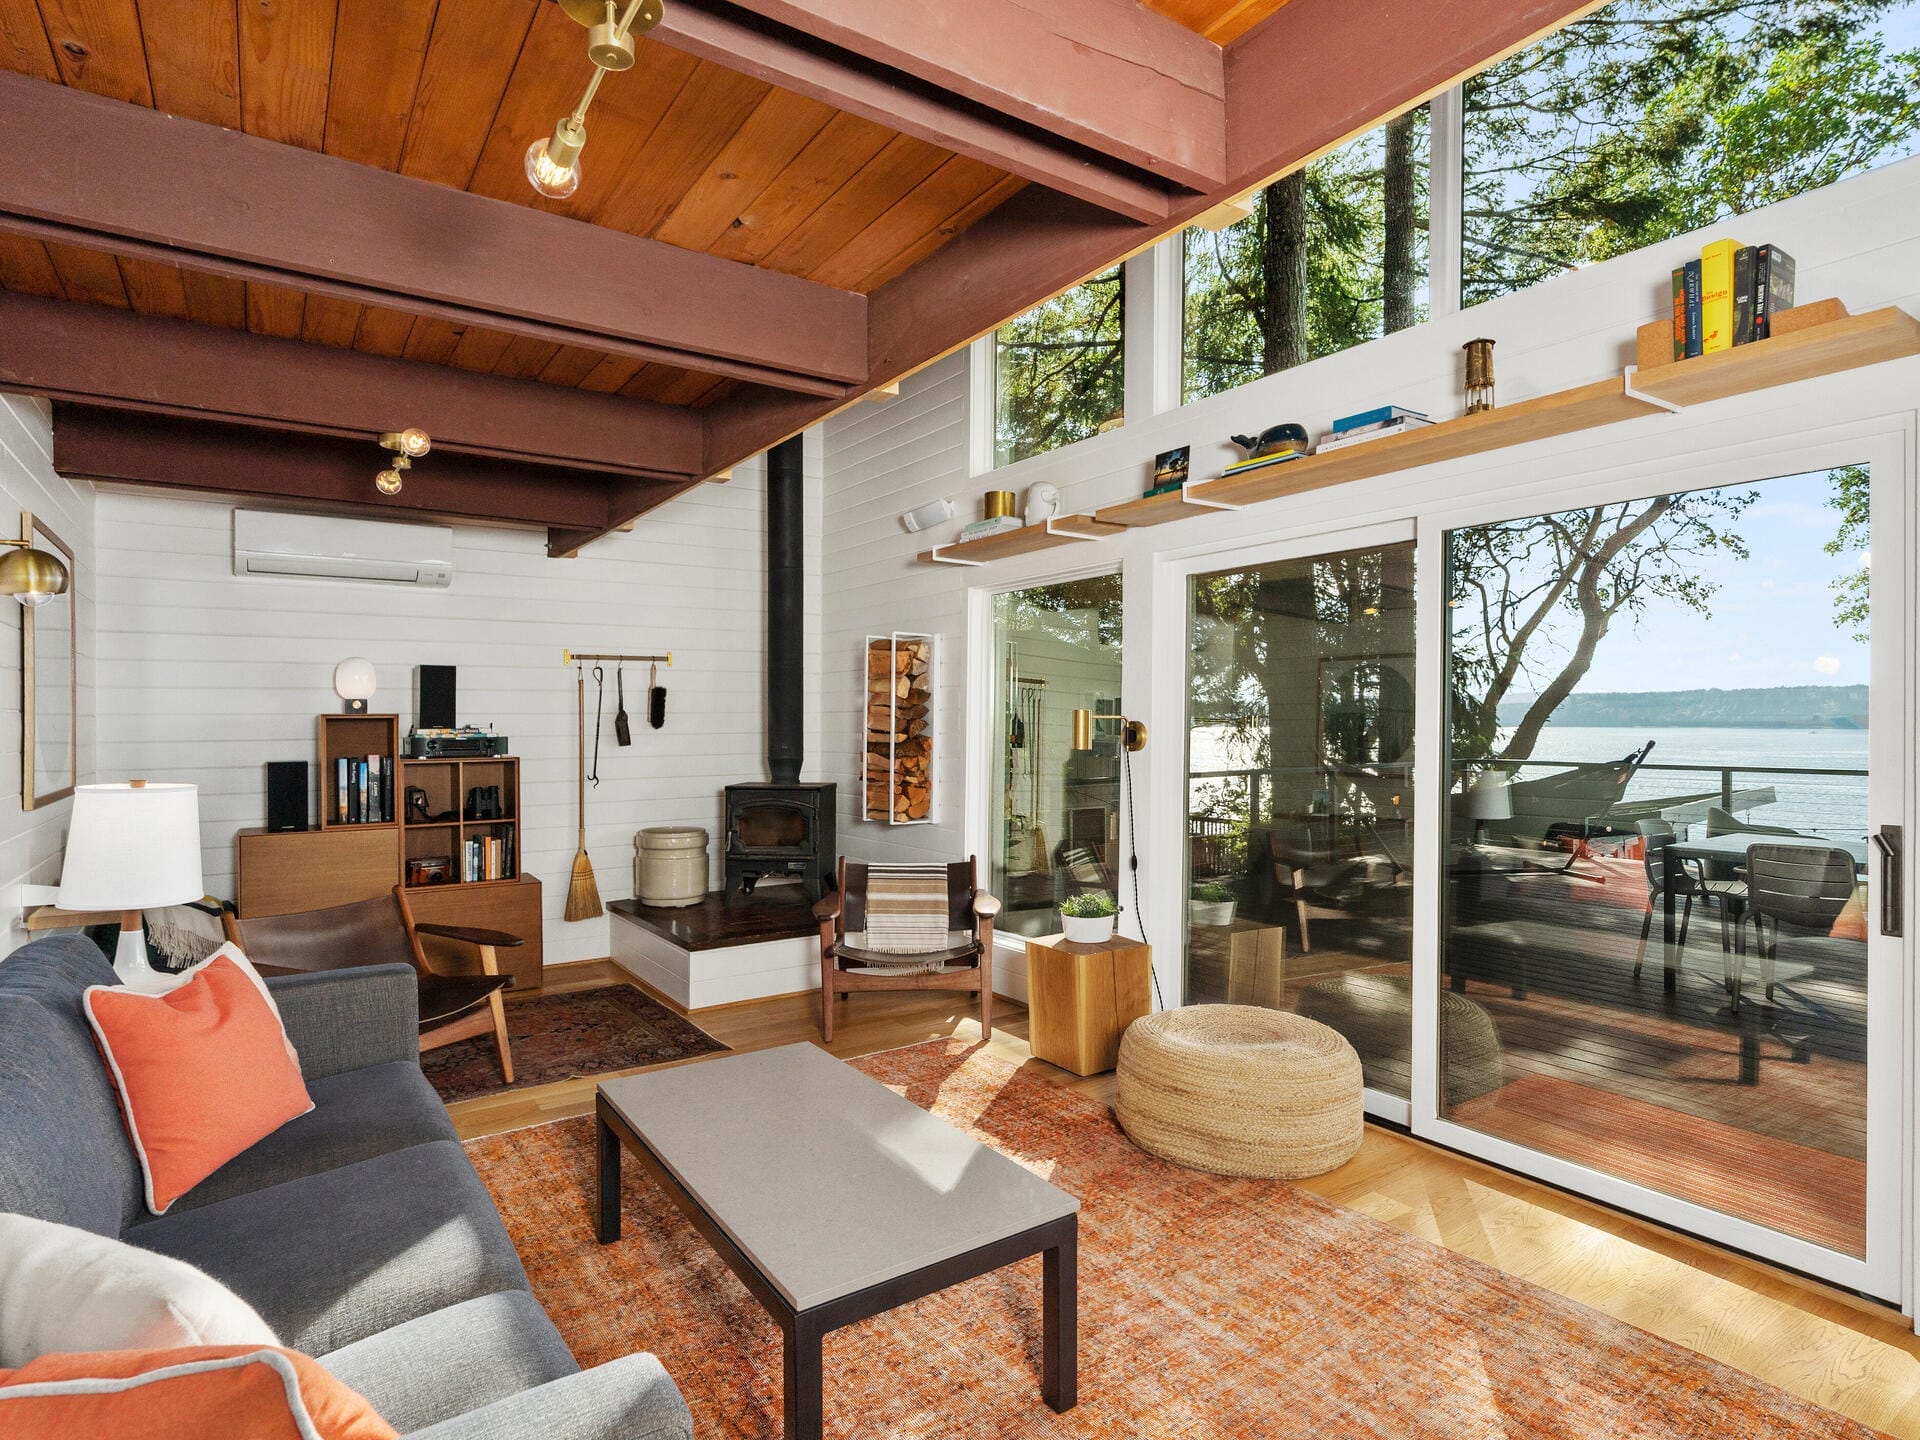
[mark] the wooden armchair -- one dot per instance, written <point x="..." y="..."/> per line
<point x="382" y="931"/>
<point x="861" y="924"/>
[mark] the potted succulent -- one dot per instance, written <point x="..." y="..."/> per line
<point x="1211" y="903"/>
<point x="1089" y="919"/>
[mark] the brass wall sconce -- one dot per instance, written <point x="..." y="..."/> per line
<point x="553" y="163"/>
<point x="408" y="445"/>
<point x="1479" y="375"/>
<point x="31" y="575"/>
<point x="1133" y="734"/>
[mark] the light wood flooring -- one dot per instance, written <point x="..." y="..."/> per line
<point x="1830" y="1347"/>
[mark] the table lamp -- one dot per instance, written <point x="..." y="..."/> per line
<point x="132" y="847"/>
<point x="1490" y="797"/>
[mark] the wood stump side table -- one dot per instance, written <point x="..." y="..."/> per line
<point x="1081" y="998"/>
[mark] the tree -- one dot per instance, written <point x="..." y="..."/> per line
<point x="1061" y="369"/>
<point x="1517" y="588"/>
<point x="1653" y="117"/>
<point x="1853" y="498"/>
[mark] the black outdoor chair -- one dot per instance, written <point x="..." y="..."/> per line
<point x="1691" y="883"/>
<point x="1804" y="887"/>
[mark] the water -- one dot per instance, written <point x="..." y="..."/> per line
<point x="1834" y="806"/>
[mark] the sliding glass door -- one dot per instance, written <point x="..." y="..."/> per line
<point x="1300" y="795"/>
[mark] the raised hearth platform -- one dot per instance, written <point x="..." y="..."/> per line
<point x="726" y="949"/>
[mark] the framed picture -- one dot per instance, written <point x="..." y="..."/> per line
<point x="1170" y="466"/>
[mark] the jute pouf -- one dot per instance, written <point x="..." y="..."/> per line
<point x="1375" y="1012"/>
<point x="1240" y="1090"/>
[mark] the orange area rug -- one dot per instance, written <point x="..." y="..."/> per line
<point x="1209" y="1307"/>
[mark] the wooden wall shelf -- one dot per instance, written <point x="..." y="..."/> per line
<point x="1848" y="343"/>
<point x="1063" y="530"/>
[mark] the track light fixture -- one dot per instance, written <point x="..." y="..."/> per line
<point x="553" y="163"/>
<point x="31" y="575"/>
<point x="408" y="445"/>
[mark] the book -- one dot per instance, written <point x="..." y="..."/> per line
<point x="1166" y="489"/>
<point x="1691" y="276"/>
<point x="373" y="785"/>
<point x="1716" y="295"/>
<point x="1240" y="467"/>
<point x="1679" y="312"/>
<point x="1399" y="427"/>
<point x="1400" y="422"/>
<point x="1373" y="417"/>
<point x="1743" y="294"/>
<point x="1772" y="287"/>
<point x="340" y="790"/>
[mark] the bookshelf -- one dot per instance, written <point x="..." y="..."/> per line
<point x="1061" y="530"/>
<point x="1844" y="343"/>
<point x="448" y="786"/>
<point x="353" y="738"/>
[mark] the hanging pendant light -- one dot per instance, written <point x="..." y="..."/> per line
<point x="553" y="162"/>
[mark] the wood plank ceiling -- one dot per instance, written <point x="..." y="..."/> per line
<point x="452" y="91"/>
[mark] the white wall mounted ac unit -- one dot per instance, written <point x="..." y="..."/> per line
<point x="325" y="547"/>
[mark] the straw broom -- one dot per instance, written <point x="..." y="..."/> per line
<point x="583" y="895"/>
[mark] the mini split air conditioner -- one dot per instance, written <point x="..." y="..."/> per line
<point x="323" y="547"/>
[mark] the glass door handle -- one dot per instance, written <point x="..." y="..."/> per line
<point x="1892" y="911"/>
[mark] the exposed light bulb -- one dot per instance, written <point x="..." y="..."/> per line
<point x="546" y="173"/>
<point x="388" y="482"/>
<point x="412" y="442"/>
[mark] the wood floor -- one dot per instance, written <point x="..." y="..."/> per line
<point x="1828" y="1346"/>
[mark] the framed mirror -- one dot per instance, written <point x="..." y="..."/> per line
<point x="49" y="692"/>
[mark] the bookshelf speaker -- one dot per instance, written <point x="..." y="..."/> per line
<point x="286" y="795"/>
<point x="433" y="703"/>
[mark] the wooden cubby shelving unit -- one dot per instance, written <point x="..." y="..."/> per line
<point x="447" y="783"/>
<point x="353" y="737"/>
<point x="1846" y="343"/>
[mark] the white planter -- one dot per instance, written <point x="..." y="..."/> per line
<point x="1089" y="929"/>
<point x="1211" y="912"/>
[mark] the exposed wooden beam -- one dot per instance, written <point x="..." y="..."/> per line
<point x="1120" y="79"/>
<point x="626" y="503"/>
<point x="1286" y="104"/>
<point x="94" y="172"/>
<point x="113" y="358"/>
<point x="752" y="45"/>
<point x="323" y="473"/>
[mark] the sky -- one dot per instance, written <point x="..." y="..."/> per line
<point x="1770" y="623"/>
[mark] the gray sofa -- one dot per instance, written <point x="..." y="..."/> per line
<point x="359" y="1231"/>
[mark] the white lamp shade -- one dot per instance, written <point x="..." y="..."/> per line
<point x="1491" y="797"/>
<point x="353" y="679"/>
<point x="132" y="847"/>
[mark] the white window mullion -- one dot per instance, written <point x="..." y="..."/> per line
<point x="982" y="404"/>
<point x="1154" y="329"/>
<point x="1445" y="201"/>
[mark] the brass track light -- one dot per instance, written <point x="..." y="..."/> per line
<point x="30" y="575"/>
<point x="553" y="163"/>
<point x="408" y="445"/>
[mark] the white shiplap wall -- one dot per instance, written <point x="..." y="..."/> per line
<point x="207" y="676"/>
<point x="1859" y="240"/>
<point x="31" y="841"/>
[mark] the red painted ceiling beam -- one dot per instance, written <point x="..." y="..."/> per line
<point x="1313" y="75"/>
<point x="116" y="447"/>
<point x="1115" y="105"/>
<point x="111" y="357"/>
<point x="89" y="171"/>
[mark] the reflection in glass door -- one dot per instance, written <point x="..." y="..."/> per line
<point x="1656" y="920"/>
<point x="1300" y="795"/>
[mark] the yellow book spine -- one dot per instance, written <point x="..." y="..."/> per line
<point x="1716" y="295"/>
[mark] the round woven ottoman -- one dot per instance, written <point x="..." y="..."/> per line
<point x="1375" y="1012"/>
<point x="1239" y="1090"/>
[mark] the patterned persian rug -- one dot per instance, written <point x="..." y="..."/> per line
<point x="1209" y="1307"/>
<point x="565" y="1036"/>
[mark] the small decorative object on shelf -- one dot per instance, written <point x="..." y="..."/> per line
<point x="1170" y="469"/>
<point x="1479" y="375"/>
<point x="997" y="503"/>
<point x="1043" y="502"/>
<point x="1089" y="919"/>
<point x="899" y="729"/>
<point x="353" y="681"/>
<point x="1284" y="439"/>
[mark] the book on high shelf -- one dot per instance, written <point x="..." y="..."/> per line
<point x="1691" y="273"/>
<point x="1240" y="467"/>
<point x="1398" y="427"/>
<point x="1772" y="287"/>
<point x="1716" y="295"/>
<point x="1376" y="416"/>
<point x="1679" y="312"/>
<point x="1399" y="422"/>
<point x="1743" y="294"/>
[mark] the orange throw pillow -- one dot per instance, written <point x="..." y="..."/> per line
<point x="203" y="1071"/>
<point x="186" y="1394"/>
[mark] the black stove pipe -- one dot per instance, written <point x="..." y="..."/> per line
<point x="786" y="603"/>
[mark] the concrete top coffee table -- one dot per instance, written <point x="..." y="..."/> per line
<point x="834" y="1199"/>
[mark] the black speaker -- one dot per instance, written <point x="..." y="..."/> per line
<point x="433" y="704"/>
<point x="286" y="795"/>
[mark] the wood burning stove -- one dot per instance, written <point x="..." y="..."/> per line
<point x="776" y="828"/>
